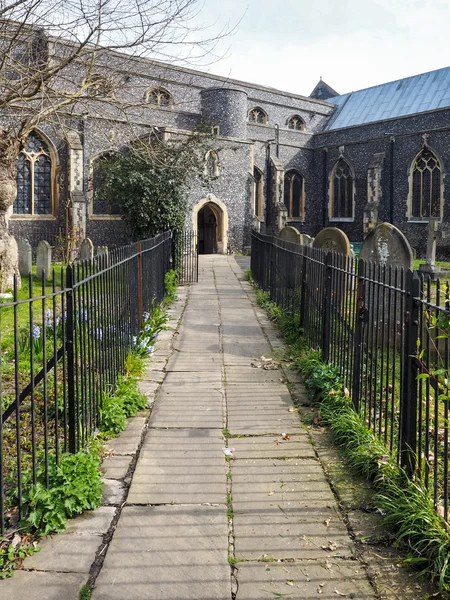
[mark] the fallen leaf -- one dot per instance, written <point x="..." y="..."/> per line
<point x="289" y="582"/>
<point x="340" y="593"/>
<point x="331" y="547"/>
<point x="327" y="522"/>
<point x="16" y="540"/>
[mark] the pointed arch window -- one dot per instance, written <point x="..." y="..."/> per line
<point x="100" y="204"/>
<point x="426" y="186"/>
<point x="34" y="178"/>
<point x="258" y="193"/>
<point x="159" y="97"/>
<point x="297" y="123"/>
<point x="342" y="191"/>
<point x="257" y="115"/>
<point x="294" y="194"/>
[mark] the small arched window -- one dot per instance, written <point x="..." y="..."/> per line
<point x="100" y="205"/>
<point x="426" y="186"/>
<point x="294" y="194"/>
<point x="342" y="191"/>
<point x="257" y="115"/>
<point x="258" y="190"/>
<point x="159" y="97"/>
<point x="297" y="123"/>
<point x="34" y="178"/>
<point x="212" y="164"/>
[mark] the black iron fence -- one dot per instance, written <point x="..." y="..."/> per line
<point x="185" y="252"/>
<point x="63" y="343"/>
<point x="387" y="330"/>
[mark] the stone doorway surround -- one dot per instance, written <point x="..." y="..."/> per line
<point x="221" y="214"/>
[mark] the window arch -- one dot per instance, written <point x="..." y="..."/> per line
<point x="296" y="122"/>
<point x="212" y="164"/>
<point x="294" y="194"/>
<point x="101" y="206"/>
<point x="342" y="191"/>
<point x="426" y="185"/>
<point x="35" y="177"/>
<point x="257" y="115"/>
<point x="159" y="97"/>
<point x="258" y="193"/>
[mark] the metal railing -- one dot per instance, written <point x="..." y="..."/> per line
<point x="387" y="331"/>
<point x="62" y="348"/>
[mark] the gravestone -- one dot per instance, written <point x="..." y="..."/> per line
<point x="332" y="238"/>
<point x="25" y="254"/>
<point x="86" y="249"/>
<point x="290" y="234"/>
<point x="102" y="254"/>
<point x="430" y="268"/>
<point x="306" y="240"/>
<point x="43" y="259"/>
<point x="386" y="245"/>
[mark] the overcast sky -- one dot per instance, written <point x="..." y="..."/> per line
<point x="352" y="44"/>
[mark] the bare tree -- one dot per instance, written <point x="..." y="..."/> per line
<point x="50" y="55"/>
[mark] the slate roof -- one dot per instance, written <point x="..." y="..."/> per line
<point x="415" y="94"/>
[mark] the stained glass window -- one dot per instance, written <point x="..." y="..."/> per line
<point x="426" y="186"/>
<point x="159" y="97"/>
<point x="293" y="194"/>
<point x="257" y="115"/>
<point x="296" y="123"/>
<point x="34" y="178"/>
<point x="342" y="191"/>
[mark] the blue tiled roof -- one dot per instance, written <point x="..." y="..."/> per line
<point x="416" y="94"/>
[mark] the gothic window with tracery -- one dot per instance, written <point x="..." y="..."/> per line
<point x="297" y="123"/>
<point x="426" y="192"/>
<point x="342" y="191"/>
<point x="100" y="206"/>
<point x="293" y="194"/>
<point x="34" y="178"/>
<point x="159" y="97"/>
<point x="257" y="115"/>
<point x="258" y="198"/>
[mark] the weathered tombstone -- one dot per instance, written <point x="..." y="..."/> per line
<point x="25" y="255"/>
<point x="306" y="240"/>
<point x="386" y="245"/>
<point x="332" y="238"/>
<point x="290" y="234"/>
<point x="86" y="249"/>
<point x="430" y="268"/>
<point x="43" y="259"/>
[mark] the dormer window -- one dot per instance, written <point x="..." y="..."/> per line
<point x="159" y="97"/>
<point x="257" y="115"/>
<point x="297" y="123"/>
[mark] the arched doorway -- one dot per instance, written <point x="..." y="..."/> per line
<point x="210" y="223"/>
<point x="207" y="230"/>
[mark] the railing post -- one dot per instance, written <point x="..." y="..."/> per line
<point x="360" y="319"/>
<point x="408" y="399"/>
<point x="303" y="290"/>
<point x="326" y="308"/>
<point x="70" y="361"/>
<point x="139" y="285"/>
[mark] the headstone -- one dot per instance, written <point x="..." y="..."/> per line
<point x="25" y="254"/>
<point x="43" y="259"/>
<point x="306" y="240"/>
<point x="430" y="268"/>
<point x="86" y="249"/>
<point x="102" y="254"/>
<point x="332" y="238"/>
<point x="386" y="245"/>
<point x="290" y="234"/>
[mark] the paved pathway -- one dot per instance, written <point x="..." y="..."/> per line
<point x="195" y="526"/>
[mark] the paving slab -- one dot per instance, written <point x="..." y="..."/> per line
<point x="113" y="493"/>
<point x="304" y="580"/>
<point x="297" y="446"/>
<point x="115" y="467"/>
<point x="95" y="522"/>
<point x="183" y="548"/>
<point x="245" y="374"/>
<point x="36" y="585"/>
<point x="129" y="440"/>
<point x="70" y="553"/>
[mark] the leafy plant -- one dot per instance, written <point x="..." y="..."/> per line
<point x="12" y="553"/>
<point x="74" y="486"/>
<point x="171" y="284"/>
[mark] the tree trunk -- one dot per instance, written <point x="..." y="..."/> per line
<point x="9" y="258"/>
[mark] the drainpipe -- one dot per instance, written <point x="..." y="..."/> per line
<point x="324" y="187"/>
<point x="391" y="180"/>
<point x="277" y="139"/>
